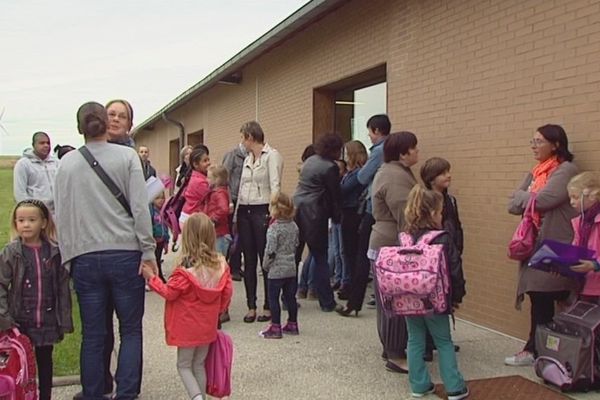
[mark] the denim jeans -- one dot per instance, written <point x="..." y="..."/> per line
<point x="418" y="374"/>
<point x="307" y="274"/>
<point x="335" y="256"/>
<point x="223" y="243"/>
<point x="288" y="286"/>
<point x="99" y="277"/>
<point x="321" y="279"/>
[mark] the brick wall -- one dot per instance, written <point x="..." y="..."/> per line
<point x="473" y="79"/>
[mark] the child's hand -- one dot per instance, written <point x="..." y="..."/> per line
<point x="585" y="266"/>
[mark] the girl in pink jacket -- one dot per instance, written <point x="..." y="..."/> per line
<point x="584" y="192"/>
<point x="196" y="192"/>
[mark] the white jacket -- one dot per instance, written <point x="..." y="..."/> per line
<point x="33" y="178"/>
<point x="261" y="177"/>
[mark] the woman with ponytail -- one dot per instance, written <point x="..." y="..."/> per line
<point x="106" y="246"/>
<point x="197" y="292"/>
<point x="552" y="216"/>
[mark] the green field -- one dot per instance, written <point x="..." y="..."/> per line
<point x="66" y="353"/>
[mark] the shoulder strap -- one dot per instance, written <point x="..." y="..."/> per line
<point x="430" y="236"/>
<point x="110" y="184"/>
<point x="405" y="239"/>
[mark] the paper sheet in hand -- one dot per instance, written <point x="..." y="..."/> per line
<point x="559" y="257"/>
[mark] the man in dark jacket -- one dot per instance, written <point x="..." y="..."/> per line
<point x="144" y="153"/>
<point x="233" y="161"/>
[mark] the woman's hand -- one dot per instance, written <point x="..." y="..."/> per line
<point x="585" y="266"/>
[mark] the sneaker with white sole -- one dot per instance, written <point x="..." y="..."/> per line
<point x="522" y="358"/>
<point x="431" y="390"/>
<point x="463" y="394"/>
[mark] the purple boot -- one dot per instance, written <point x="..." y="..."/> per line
<point x="291" y="328"/>
<point x="272" y="331"/>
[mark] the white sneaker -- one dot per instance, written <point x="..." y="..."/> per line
<point x="429" y="391"/>
<point x="522" y="358"/>
<point x="463" y="394"/>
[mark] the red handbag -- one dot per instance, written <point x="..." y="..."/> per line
<point x="522" y="243"/>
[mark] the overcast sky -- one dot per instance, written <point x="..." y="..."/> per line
<point x="56" y="55"/>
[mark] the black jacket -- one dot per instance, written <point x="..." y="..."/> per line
<point x="317" y="198"/>
<point x="454" y="260"/>
<point x="451" y="221"/>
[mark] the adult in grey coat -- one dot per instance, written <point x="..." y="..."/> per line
<point x="34" y="173"/>
<point x="548" y="181"/>
<point x="318" y="198"/>
<point x="233" y="161"/>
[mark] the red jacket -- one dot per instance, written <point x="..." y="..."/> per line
<point x="195" y="193"/>
<point x="217" y="209"/>
<point x="192" y="311"/>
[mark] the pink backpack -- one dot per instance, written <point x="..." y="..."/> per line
<point x="17" y="367"/>
<point x="218" y="366"/>
<point x="413" y="279"/>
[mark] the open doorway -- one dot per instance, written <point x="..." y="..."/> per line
<point x="346" y="105"/>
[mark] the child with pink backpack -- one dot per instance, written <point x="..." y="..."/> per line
<point x="423" y="215"/>
<point x="196" y="293"/>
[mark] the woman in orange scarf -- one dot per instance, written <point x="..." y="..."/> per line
<point x="552" y="217"/>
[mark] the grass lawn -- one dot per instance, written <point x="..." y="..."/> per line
<point x="66" y="353"/>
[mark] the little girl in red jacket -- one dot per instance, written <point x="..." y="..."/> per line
<point x="217" y="206"/>
<point x="584" y="193"/>
<point x="196" y="293"/>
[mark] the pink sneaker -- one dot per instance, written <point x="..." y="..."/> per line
<point x="272" y="331"/>
<point x="522" y="358"/>
<point x="291" y="328"/>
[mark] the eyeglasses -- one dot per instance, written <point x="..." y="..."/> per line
<point x="537" y="142"/>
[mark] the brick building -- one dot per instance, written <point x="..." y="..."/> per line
<point x="472" y="78"/>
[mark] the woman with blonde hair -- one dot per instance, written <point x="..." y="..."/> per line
<point x="353" y="197"/>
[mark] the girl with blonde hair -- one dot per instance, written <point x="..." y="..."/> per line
<point x="423" y="213"/>
<point x="196" y="293"/>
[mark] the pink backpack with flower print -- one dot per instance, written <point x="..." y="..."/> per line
<point x="413" y="278"/>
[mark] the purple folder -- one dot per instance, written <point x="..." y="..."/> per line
<point x="559" y="257"/>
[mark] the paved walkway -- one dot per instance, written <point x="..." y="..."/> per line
<point x="332" y="358"/>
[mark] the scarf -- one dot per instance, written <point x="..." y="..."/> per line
<point x="541" y="173"/>
<point x="587" y="222"/>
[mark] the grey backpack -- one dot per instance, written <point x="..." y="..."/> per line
<point x="568" y="349"/>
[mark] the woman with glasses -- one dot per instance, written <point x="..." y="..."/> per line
<point x="547" y="181"/>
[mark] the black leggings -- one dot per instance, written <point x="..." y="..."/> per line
<point x="362" y="265"/>
<point x="253" y="222"/>
<point x="43" y="359"/>
<point x="542" y="312"/>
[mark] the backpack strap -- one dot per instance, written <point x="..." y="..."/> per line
<point x="405" y="239"/>
<point x="110" y="184"/>
<point x="430" y="236"/>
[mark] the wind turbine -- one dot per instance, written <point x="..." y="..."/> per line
<point x="3" y="130"/>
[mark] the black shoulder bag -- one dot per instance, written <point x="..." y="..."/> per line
<point x="110" y="184"/>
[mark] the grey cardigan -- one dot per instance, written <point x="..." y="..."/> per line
<point x="280" y="250"/>
<point x="553" y="203"/>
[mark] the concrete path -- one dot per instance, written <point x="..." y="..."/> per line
<point x="332" y="358"/>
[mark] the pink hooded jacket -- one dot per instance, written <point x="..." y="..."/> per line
<point x="592" y="278"/>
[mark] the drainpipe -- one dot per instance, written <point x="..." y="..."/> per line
<point x="179" y="125"/>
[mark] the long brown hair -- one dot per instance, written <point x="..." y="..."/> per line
<point x="356" y="154"/>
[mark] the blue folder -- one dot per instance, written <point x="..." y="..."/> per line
<point x="559" y="257"/>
